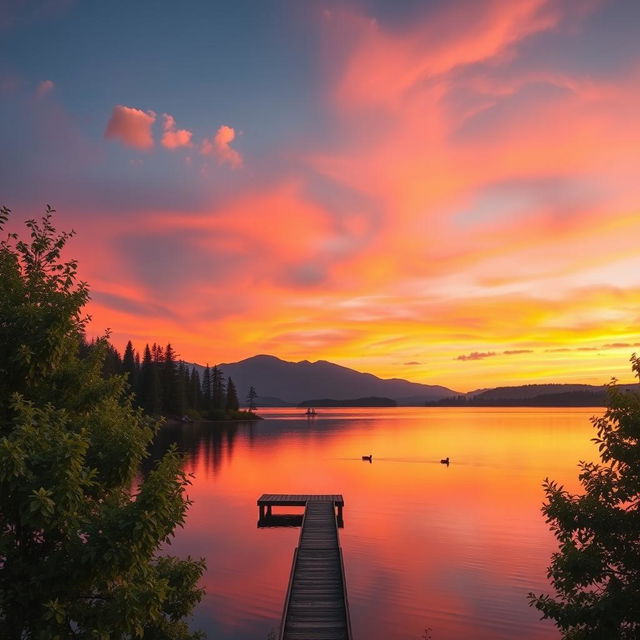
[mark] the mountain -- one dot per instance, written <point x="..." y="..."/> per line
<point x="294" y="382"/>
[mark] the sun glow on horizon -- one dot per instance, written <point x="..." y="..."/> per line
<point x="446" y="194"/>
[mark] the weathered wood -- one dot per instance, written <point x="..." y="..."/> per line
<point x="316" y="605"/>
<point x="298" y="500"/>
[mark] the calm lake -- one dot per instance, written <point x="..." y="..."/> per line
<point x="454" y="549"/>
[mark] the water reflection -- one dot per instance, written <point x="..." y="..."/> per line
<point x="210" y="442"/>
<point x="453" y="548"/>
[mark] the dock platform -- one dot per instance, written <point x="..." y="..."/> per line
<point x="316" y="605"/>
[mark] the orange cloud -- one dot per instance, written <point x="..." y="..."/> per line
<point x="220" y="147"/>
<point x="172" y="137"/>
<point x="131" y="126"/>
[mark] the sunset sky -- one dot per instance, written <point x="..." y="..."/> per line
<point x="444" y="191"/>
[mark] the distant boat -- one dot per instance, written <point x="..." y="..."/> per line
<point x="445" y="461"/>
<point x="369" y="458"/>
<point x="311" y="412"/>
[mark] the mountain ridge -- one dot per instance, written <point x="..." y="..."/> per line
<point x="294" y="382"/>
<point x="283" y="383"/>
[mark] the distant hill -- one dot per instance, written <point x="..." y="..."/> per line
<point x="356" y="402"/>
<point x="294" y="382"/>
<point x="533" y="395"/>
<point x="531" y="391"/>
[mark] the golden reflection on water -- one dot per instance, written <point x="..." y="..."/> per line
<point x="452" y="548"/>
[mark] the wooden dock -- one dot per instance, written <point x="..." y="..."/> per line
<point x="316" y="605"/>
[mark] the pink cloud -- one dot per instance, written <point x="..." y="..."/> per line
<point x="220" y="147"/>
<point x="384" y="66"/>
<point x="131" y="126"/>
<point x="174" y="138"/>
<point x="46" y="86"/>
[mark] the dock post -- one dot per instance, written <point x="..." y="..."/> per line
<point x="268" y="511"/>
<point x="339" y="512"/>
<point x="261" y="511"/>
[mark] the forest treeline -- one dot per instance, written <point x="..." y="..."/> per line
<point x="162" y="384"/>
<point x="596" y="398"/>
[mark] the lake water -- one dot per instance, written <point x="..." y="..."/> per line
<point x="454" y="549"/>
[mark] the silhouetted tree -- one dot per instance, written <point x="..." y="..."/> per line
<point x="218" y="389"/>
<point x="129" y="365"/>
<point x="206" y="389"/>
<point x="169" y="382"/>
<point x="180" y="390"/>
<point x="157" y="353"/>
<point x="150" y="389"/>
<point x="112" y="364"/>
<point x="232" y="403"/>
<point x="137" y="376"/>
<point x="596" y="570"/>
<point x="195" y="390"/>
<point x="251" y="399"/>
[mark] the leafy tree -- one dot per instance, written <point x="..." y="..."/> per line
<point x="251" y="399"/>
<point x="596" y="570"/>
<point x="78" y="538"/>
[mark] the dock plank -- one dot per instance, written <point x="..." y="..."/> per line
<point x="316" y="605"/>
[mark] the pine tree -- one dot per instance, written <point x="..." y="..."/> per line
<point x="195" y="390"/>
<point x="232" y="403"/>
<point x="129" y="365"/>
<point x="218" y="390"/>
<point x="206" y="390"/>
<point x="137" y="378"/>
<point x="112" y="364"/>
<point x="251" y="399"/>
<point x="180" y="391"/>
<point x="79" y="531"/>
<point x="169" y="383"/>
<point x="157" y="353"/>
<point x="150" y="384"/>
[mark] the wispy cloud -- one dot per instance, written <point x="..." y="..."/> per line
<point x="44" y="87"/>
<point x="477" y="355"/>
<point x="481" y="355"/>
<point x="604" y="347"/>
